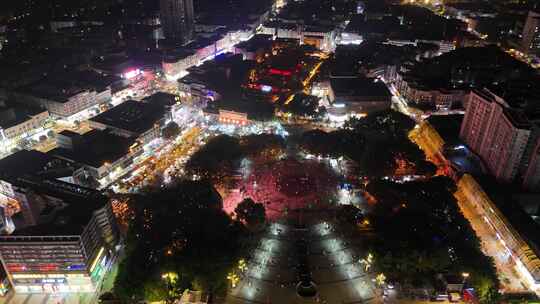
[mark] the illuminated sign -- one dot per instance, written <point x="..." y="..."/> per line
<point x="101" y="250"/>
<point x="77" y="267"/>
<point x="266" y="88"/>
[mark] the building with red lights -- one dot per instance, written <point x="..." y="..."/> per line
<point x="531" y="180"/>
<point x="497" y="133"/>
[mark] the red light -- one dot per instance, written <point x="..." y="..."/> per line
<point x="280" y="72"/>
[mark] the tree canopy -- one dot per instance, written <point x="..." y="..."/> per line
<point x="171" y="130"/>
<point x="422" y="232"/>
<point x="251" y="213"/>
<point x="184" y="231"/>
<point x="379" y="143"/>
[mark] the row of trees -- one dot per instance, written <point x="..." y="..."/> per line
<point x="421" y="232"/>
<point x="181" y="238"/>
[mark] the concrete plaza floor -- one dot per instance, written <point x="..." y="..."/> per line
<point x="333" y="257"/>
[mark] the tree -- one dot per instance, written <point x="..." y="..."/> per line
<point x="216" y="159"/>
<point x="171" y="130"/>
<point x="305" y="106"/>
<point x="181" y="230"/>
<point x="422" y="232"/>
<point x="350" y="214"/>
<point x="253" y="214"/>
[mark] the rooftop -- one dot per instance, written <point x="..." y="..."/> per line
<point x="62" y="86"/>
<point x="23" y="163"/>
<point x="67" y="219"/>
<point x="360" y="87"/>
<point x="256" y="42"/>
<point x="132" y="116"/>
<point x="12" y="116"/>
<point x="161" y="99"/>
<point x="95" y="148"/>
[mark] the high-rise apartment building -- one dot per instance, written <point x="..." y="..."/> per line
<point x="531" y="179"/>
<point x="530" y="42"/>
<point x="177" y="20"/>
<point x="496" y="132"/>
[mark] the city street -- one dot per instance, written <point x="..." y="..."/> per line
<point x="492" y="246"/>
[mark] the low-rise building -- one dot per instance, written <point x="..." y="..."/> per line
<point x="522" y="255"/>
<point x="18" y="122"/>
<point x="419" y="93"/>
<point x="141" y="120"/>
<point x="97" y="155"/>
<point x="358" y="96"/>
<point x="69" y="95"/>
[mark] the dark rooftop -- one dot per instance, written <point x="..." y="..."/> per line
<point x="133" y="116"/>
<point x="448" y="126"/>
<point x="162" y="99"/>
<point x="12" y="116"/>
<point x="95" y="148"/>
<point x="359" y="87"/>
<point x="61" y="87"/>
<point x="68" y="219"/>
<point x="23" y="163"/>
<point x="256" y="42"/>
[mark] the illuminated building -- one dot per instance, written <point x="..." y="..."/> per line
<point x="320" y="36"/>
<point x="70" y="253"/>
<point x="231" y="117"/>
<point x="97" y="154"/>
<point x="418" y="91"/>
<point x="177" y="19"/>
<point x="531" y="179"/>
<point x="68" y="232"/>
<point x="19" y="122"/>
<point x="358" y="95"/>
<point x="175" y="64"/>
<point x="530" y="42"/>
<point x="68" y="94"/>
<point x="497" y="133"/>
<point x="523" y="257"/>
<point x="142" y="120"/>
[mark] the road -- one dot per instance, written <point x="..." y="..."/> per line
<point x="493" y="247"/>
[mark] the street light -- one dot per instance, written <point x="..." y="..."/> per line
<point x="170" y="278"/>
<point x="242" y="265"/>
<point x="381" y="279"/>
<point x="233" y="278"/>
